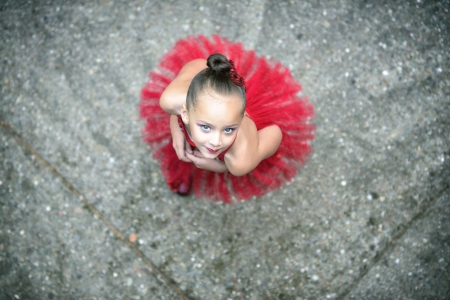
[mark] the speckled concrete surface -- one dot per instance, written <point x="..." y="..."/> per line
<point x="351" y="225"/>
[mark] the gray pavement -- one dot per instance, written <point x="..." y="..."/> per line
<point x="366" y="218"/>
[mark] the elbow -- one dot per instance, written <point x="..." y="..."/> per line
<point x="239" y="170"/>
<point x="237" y="173"/>
<point x="164" y="103"/>
<point x="168" y="104"/>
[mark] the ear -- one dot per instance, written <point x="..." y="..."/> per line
<point x="184" y="114"/>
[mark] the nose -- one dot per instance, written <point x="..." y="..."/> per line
<point x="215" y="140"/>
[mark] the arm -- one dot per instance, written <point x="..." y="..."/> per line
<point x="175" y="94"/>
<point x="179" y="142"/>
<point x="251" y="147"/>
<point x="171" y="100"/>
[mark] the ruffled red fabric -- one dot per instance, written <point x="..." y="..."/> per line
<point x="272" y="98"/>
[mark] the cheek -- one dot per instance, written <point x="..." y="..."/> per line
<point x="228" y="139"/>
<point x="197" y="134"/>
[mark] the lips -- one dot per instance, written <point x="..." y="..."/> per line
<point x="212" y="150"/>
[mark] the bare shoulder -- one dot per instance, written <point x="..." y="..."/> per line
<point x="175" y="93"/>
<point x="238" y="159"/>
<point x="251" y="147"/>
<point x="192" y="68"/>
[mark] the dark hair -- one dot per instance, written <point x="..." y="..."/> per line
<point x="217" y="78"/>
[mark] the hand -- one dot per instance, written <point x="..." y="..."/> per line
<point x="182" y="148"/>
<point x="206" y="163"/>
<point x="197" y="158"/>
<point x="179" y="143"/>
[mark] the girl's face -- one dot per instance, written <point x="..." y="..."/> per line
<point x="213" y="122"/>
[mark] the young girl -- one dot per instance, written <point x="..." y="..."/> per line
<point x="229" y="133"/>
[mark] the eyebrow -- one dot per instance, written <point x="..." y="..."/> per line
<point x="211" y="125"/>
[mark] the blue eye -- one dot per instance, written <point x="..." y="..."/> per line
<point x="229" y="130"/>
<point x="205" y="127"/>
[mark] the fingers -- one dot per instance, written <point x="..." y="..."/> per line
<point x="196" y="160"/>
<point x="180" y="151"/>
<point x="198" y="154"/>
<point x="184" y="158"/>
<point x="187" y="146"/>
<point x="192" y="159"/>
<point x="191" y="156"/>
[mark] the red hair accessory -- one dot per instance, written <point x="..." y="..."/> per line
<point x="235" y="77"/>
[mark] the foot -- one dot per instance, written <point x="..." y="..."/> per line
<point x="185" y="187"/>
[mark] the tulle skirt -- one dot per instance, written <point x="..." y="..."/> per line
<point x="272" y="98"/>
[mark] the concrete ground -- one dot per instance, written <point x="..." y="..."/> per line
<point x="366" y="218"/>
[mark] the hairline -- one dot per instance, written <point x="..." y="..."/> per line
<point x="208" y="89"/>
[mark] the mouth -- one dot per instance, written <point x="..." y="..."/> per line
<point x="212" y="150"/>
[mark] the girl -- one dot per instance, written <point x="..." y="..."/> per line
<point x="232" y="141"/>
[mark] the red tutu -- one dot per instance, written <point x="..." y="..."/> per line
<point x="271" y="99"/>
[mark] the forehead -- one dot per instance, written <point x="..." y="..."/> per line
<point x="218" y="109"/>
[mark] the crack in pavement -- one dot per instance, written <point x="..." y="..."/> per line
<point x="394" y="239"/>
<point x="169" y="281"/>
<point x="155" y="271"/>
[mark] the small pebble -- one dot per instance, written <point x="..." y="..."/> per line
<point x="385" y="73"/>
<point x="315" y="278"/>
<point x="133" y="237"/>
<point x="129" y="281"/>
<point x="343" y="183"/>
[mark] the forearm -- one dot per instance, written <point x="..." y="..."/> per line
<point x="216" y="166"/>
<point x="178" y="140"/>
<point x="174" y="127"/>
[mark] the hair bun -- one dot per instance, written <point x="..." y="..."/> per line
<point x="219" y="64"/>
